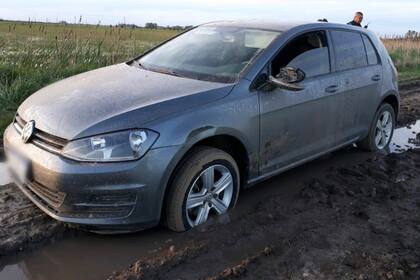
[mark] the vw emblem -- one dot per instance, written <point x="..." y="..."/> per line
<point x="27" y="131"/>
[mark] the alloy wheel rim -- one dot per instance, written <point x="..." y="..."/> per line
<point x="383" y="130"/>
<point x="212" y="191"/>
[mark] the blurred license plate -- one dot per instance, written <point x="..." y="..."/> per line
<point x="19" y="166"/>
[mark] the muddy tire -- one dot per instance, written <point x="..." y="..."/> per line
<point x="207" y="183"/>
<point x="381" y="131"/>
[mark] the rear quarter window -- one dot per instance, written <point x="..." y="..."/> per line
<point x="349" y="50"/>
<point x="372" y="54"/>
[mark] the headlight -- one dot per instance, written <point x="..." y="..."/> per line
<point x="117" y="146"/>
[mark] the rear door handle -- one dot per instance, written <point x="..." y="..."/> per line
<point x="376" y="78"/>
<point x="332" y="89"/>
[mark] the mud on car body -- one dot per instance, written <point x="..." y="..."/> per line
<point x="174" y="134"/>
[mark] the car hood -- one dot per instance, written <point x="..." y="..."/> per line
<point x="114" y="98"/>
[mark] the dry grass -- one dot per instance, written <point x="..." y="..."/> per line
<point x="405" y="53"/>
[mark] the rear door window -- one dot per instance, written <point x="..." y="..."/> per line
<point x="349" y="50"/>
<point x="308" y="52"/>
<point x="372" y="54"/>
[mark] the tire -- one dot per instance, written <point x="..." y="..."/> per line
<point x="190" y="183"/>
<point x="370" y="143"/>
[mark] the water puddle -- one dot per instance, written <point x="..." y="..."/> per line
<point x="405" y="138"/>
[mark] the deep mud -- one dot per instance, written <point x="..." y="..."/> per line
<point x="22" y="224"/>
<point x="358" y="222"/>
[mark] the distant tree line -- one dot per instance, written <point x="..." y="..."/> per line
<point x="153" y="25"/>
<point x="411" y="34"/>
<point x="148" y="25"/>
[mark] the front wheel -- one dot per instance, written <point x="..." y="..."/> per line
<point x="381" y="131"/>
<point x="207" y="183"/>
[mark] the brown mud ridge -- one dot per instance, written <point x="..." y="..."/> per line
<point x="23" y="225"/>
<point x="360" y="222"/>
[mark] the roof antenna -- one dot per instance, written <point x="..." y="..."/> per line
<point x="323" y="20"/>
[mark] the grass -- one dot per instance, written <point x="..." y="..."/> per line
<point x="33" y="55"/>
<point x="406" y="55"/>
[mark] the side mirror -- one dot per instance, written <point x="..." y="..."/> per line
<point x="288" y="79"/>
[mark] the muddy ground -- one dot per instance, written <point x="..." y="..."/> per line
<point x="23" y="224"/>
<point x="410" y="103"/>
<point x="358" y="222"/>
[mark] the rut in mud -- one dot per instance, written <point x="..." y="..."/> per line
<point x="359" y="222"/>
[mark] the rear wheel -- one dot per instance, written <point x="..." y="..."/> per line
<point x="382" y="129"/>
<point x="207" y="183"/>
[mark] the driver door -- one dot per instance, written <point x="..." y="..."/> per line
<point x="298" y="125"/>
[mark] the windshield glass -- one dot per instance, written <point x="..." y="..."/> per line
<point x="216" y="54"/>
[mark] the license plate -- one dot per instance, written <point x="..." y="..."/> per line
<point x="19" y="165"/>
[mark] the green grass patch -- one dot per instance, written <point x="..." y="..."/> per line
<point x="33" y="55"/>
<point x="413" y="74"/>
<point x="5" y="119"/>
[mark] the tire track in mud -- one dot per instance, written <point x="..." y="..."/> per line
<point x="358" y="222"/>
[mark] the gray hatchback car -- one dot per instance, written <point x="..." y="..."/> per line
<point x="174" y="134"/>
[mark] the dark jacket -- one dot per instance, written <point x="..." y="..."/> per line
<point x="354" y="23"/>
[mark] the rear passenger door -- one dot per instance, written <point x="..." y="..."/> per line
<point x="358" y="81"/>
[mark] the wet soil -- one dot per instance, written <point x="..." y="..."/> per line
<point x="22" y="224"/>
<point x="409" y="107"/>
<point x="356" y="222"/>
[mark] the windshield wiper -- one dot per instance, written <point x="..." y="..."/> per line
<point x="167" y="71"/>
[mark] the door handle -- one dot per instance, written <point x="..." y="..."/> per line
<point x="332" y="89"/>
<point x="376" y="78"/>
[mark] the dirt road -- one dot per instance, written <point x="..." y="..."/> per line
<point x="355" y="222"/>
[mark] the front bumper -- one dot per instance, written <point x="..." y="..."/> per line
<point x="99" y="195"/>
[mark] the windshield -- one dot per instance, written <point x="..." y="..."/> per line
<point x="216" y="54"/>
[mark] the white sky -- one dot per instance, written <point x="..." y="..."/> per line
<point x="386" y="17"/>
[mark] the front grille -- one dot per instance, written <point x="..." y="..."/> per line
<point x="83" y="206"/>
<point x="98" y="212"/>
<point x="50" y="198"/>
<point x="42" y="139"/>
<point x="103" y="204"/>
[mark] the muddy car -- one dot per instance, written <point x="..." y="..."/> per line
<point x="173" y="135"/>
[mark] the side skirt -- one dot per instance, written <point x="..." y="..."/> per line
<point x="266" y="176"/>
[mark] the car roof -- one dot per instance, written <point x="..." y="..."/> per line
<point x="278" y="25"/>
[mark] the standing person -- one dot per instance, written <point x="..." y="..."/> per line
<point x="357" y="20"/>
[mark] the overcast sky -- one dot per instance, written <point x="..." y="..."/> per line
<point x="386" y="17"/>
